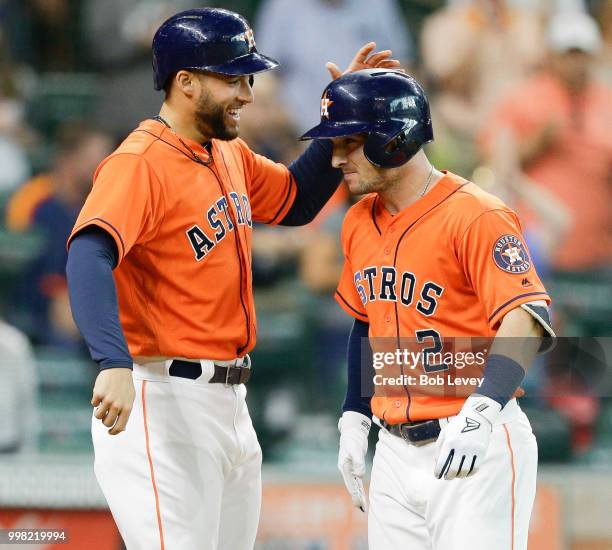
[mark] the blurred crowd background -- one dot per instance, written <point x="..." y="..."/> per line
<point x="521" y="95"/>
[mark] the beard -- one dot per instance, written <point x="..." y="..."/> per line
<point x="365" y="185"/>
<point x="210" y="120"/>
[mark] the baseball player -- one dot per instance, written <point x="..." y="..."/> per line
<point x="430" y="256"/>
<point x="159" y="275"/>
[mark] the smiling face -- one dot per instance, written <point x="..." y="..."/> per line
<point x="218" y="104"/>
<point x="360" y="174"/>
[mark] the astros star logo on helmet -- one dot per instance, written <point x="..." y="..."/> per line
<point x="250" y="38"/>
<point x="326" y="103"/>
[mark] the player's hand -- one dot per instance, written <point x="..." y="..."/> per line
<point x="113" y="397"/>
<point x="463" y="442"/>
<point x="365" y="59"/>
<point x="354" y="429"/>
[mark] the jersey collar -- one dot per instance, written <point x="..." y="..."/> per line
<point x="163" y="132"/>
<point x="445" y="187"/>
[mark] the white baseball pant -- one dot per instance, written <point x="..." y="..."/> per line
<point x="410" y="508"/>
<point x="186" y="472"/>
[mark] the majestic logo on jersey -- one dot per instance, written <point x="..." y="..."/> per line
<point x="510" y="255"/>
<point x="326" y="103"/>
<point x="221" y="217"/>
<point x="386" y="284"/>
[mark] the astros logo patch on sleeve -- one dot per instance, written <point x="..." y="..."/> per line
<point x="510" y="255"/>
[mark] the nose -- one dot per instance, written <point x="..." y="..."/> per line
<point x="338" y="155"/>
<point x="245" y="94"/>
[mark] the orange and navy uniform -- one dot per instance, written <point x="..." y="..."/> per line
<point x="22" y="214"/>
<point x="35" y="206"/>
<point x="452" y="264"/>
<point x="24" y="203"/>
<point x="181" y="217"/>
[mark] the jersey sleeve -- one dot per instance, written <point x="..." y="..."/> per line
<point x="498" y="265"/>
<point x="350" y="293"/>
<point x="126" y="201"/>
<point x="347" y="295"/>
<point x="271" y="187"/>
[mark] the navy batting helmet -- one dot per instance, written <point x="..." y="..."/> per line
<point x="208" y="39"/>
<point x="387" y="105"/>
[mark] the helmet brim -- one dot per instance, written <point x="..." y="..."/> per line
<point x="328" y="130"/>
<point x="251" y="63"/>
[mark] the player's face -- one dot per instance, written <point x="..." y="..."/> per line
<point x="360" y="175"/>
<point x="219" y="104"/>
<point x="573" y="67"/>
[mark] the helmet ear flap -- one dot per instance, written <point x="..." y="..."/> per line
<point x="391" y="154"/>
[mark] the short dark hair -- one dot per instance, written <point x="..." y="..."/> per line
<point x="168" y="85"/>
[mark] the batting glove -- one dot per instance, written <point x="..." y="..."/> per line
<point x="463" y="442"/>
<point x="354" y="429"/>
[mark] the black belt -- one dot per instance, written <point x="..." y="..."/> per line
<point x="224" y="374"/>
<point x="418" y="433"/>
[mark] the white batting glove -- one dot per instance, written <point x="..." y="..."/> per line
<point x="463" y="442"/>
<point x="354" y="429"/>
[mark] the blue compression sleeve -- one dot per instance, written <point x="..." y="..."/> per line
<point x="360" y="387"/>
<point x="316" y="182"/>
<point x="502" y="377"/>
<point x="93" y="297"/>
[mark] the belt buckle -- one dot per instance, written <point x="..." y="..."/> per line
<point x="245" y="365"/>
<point x="247" y="362"/>
<point x="404" y="433"/>
<point x="227" y="374"/>
<point x="404" y="429"/>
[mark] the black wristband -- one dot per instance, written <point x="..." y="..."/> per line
<point x="502" y="377"/>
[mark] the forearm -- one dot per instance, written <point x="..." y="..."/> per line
<point x="93" y="298"/>
<point x="316" y="182"/>
<point x="512" y="353"/>
<point x="519" y="337"/>
<point x="359" y="388"/>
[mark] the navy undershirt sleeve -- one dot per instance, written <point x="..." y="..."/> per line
<point x="93" y="297"/>
<point x="502" y="377"/>
<point x="360" y="387"/>
<point x="316" y="182"/>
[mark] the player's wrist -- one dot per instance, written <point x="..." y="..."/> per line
<point x="501" y="378"/>
<point x="106" y="364"/>
<point x="354" y="421"/>
<point x="483" y="406"/>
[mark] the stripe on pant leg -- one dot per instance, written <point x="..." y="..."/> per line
<point x="513" y="479"/>
<point x="157" y="509"/>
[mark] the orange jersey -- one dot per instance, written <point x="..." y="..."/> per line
<point x="450" y="265"/>
<point x="183" y="231"/>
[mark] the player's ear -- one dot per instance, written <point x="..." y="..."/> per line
<point x="185" y="82"/>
